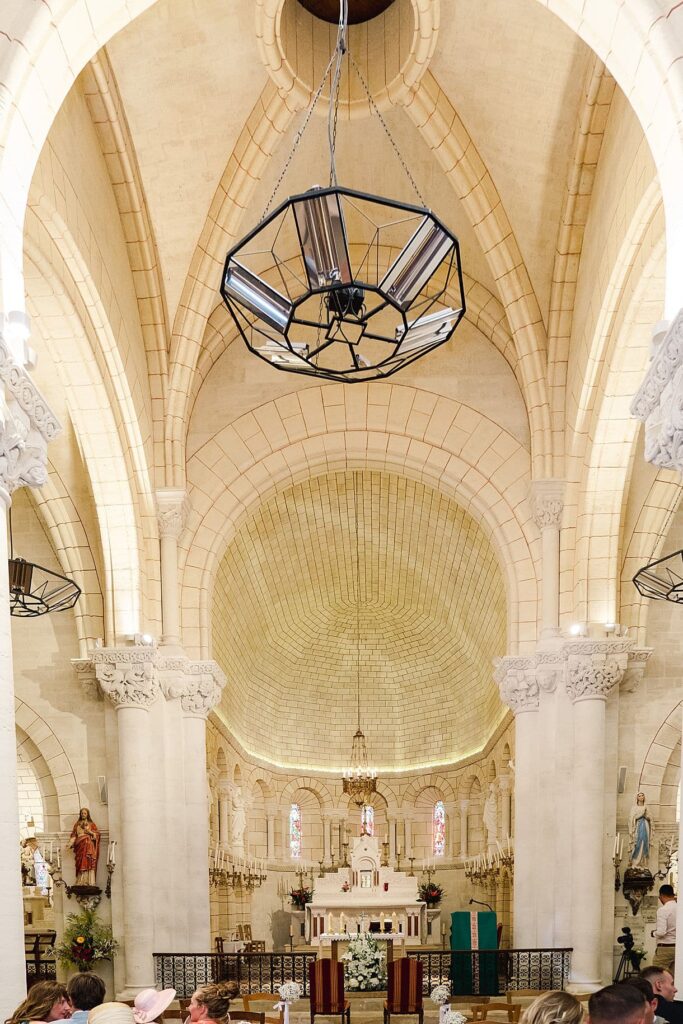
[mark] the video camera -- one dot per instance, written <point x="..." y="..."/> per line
<point x="626" y="939"/>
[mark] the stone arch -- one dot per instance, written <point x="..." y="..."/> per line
<point x="315" y="786"/>
<point x="662" y="759"/>
<point x="121" y="533"/>
<point x="54" y="772"/>
<point x="433" y="439"/>
<point x="432" y="781"/>
<point x="604" y="414"/>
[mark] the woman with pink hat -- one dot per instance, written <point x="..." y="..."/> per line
<point x="149" y="1004"/>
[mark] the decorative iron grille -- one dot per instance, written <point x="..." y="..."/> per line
<point x="254" y="972"/>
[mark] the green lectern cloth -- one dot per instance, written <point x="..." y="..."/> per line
<point x="474" y="975"/>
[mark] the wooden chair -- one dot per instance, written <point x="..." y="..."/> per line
<point x="404" y="988"/>
<point x="246" y="932"/>
<point x="482" y="1011"/>
<point x="583" y="997"/>
<point x="256" y="946"/>
<point x="248" y="1015"/>
<point x="274" y="1017"/>
<point x="219" y="943"/>
<point x="525" y="993"/>
<point x="326" y="987"/>
<point x="184" y="1006"/>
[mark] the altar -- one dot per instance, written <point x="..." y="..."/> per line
<point x="366" y="897"/>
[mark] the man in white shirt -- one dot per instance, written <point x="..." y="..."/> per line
<point x="665" y="932"/>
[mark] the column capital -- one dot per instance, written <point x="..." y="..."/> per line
<point x="126" y="676"/>
<point x="27" y="425"/>
<point x="85" y="673"/>
<point x="638" y="658"/>
<point x="547" y="502"/>
<point x="594" y="667"/>
<point x="173" y="506"/>
<point x="463" y="804"/>
<point x="516" y="678"/>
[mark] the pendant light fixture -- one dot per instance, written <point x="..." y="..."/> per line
<point x="359" y="780"/>
<point x="341" y="284"/>
<point x="35" y="590"/>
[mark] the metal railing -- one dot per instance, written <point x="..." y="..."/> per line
<point x="254" y="972"/>
<point x="493" y="971"/>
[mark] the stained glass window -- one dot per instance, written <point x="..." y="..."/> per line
<point x="295" y="830"/>
<point x="439" y="829"/>
<point x="367" y="820"/>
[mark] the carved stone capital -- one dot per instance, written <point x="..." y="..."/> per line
<point x="659" y="400"/>
<point x="594" y="667"/>
<point x="27" y="424"/>
<point x="203" y="689"/>
<point x="85" y="673"/>
<point x="197" y="684"/>
<point x="635" y="669"/>
<point x="173" y="506"/>
<point x="549" y="669"/>
<point x="126" y="676"/>
<point x="516" y="678"/>
<point x="547" y="503"/>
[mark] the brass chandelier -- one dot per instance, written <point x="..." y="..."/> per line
<point x="359" y="779"/>
<point x="340" y="284"/>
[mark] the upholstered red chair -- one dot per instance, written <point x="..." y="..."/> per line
<point x="404" y="988"/>
<point x="326" y="987"/>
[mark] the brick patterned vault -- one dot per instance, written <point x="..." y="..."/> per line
<point x="432" y="615"/>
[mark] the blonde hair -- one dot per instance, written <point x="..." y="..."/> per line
<point x="553" y="1008"/>
<point x="216" y="999"/>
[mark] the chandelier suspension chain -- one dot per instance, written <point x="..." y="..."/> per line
<point x="381" y="120"/>
<point x="355" y="510"/>
<point x="298" y="137"/>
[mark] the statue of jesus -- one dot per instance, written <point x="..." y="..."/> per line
<point x="85" y="842"/>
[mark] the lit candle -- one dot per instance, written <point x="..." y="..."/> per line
<point x="329" y="924"/>
<point x="113" y="853"/>
<point x="291" y="931"/>
<point x="59" y="858"/>
<point x="342" y="922"/>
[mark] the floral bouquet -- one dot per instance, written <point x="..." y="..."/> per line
<point x="453" y="1017"/>
<point x="431" y="893"/>
<point x="441" y="994"/>
<point x="85" y="939"/>
<point x="290" y="991"/>
<point x="300" y="897"/>
<point x="365" y="964"/>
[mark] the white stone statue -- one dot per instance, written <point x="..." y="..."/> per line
<point x="491" y="817"/>
<point x="238" y="819"/>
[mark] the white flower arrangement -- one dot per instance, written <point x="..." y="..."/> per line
<point x="453" y="1017"/>
<point x="441" y="994"/>
<point x="290" y="991"/>
<point x="364" y="960"/>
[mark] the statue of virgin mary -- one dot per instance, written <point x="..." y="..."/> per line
<point x="639" y="830"/>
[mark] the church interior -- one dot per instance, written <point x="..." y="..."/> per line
<point x="339" y="656"/>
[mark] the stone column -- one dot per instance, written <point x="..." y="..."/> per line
<point x="172" y="509"/>
<point x="593" y="668"/>
<point x="202" y="693"/>
<point x="408" y="833"/>
<point x="127" y="678"/>
<point x="26" y="427"/>
<point x="464" y="807"/>
<point x="392" y="839"/>
<point x="547" y="501"/>
<point x="223" y="817"/>
<point x="270" y="836"/>
<point x="516" y="677"/>
<point x="326" y="838"/>
<point x="505" y="817"/>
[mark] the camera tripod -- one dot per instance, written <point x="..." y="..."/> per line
<point x="625" y="968"/>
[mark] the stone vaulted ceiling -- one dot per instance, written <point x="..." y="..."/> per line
<point x="432" y="617"/>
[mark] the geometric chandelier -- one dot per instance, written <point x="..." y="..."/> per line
<point x="340" y="284"/>
<point x="35" y="590"/>
<point x="662" y="580"/>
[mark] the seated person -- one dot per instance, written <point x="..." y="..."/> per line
<point x="663" y="986"/>
<point x="618" y="1004"/>
<point x="150" y="1005"/>
<point x="86" y="991"/>
<point x="46" y="1001"/>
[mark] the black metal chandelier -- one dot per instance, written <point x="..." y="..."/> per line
<point x="35" y="590"/>
<point x="662" y="580"/>
<point x="341" y="284"/>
